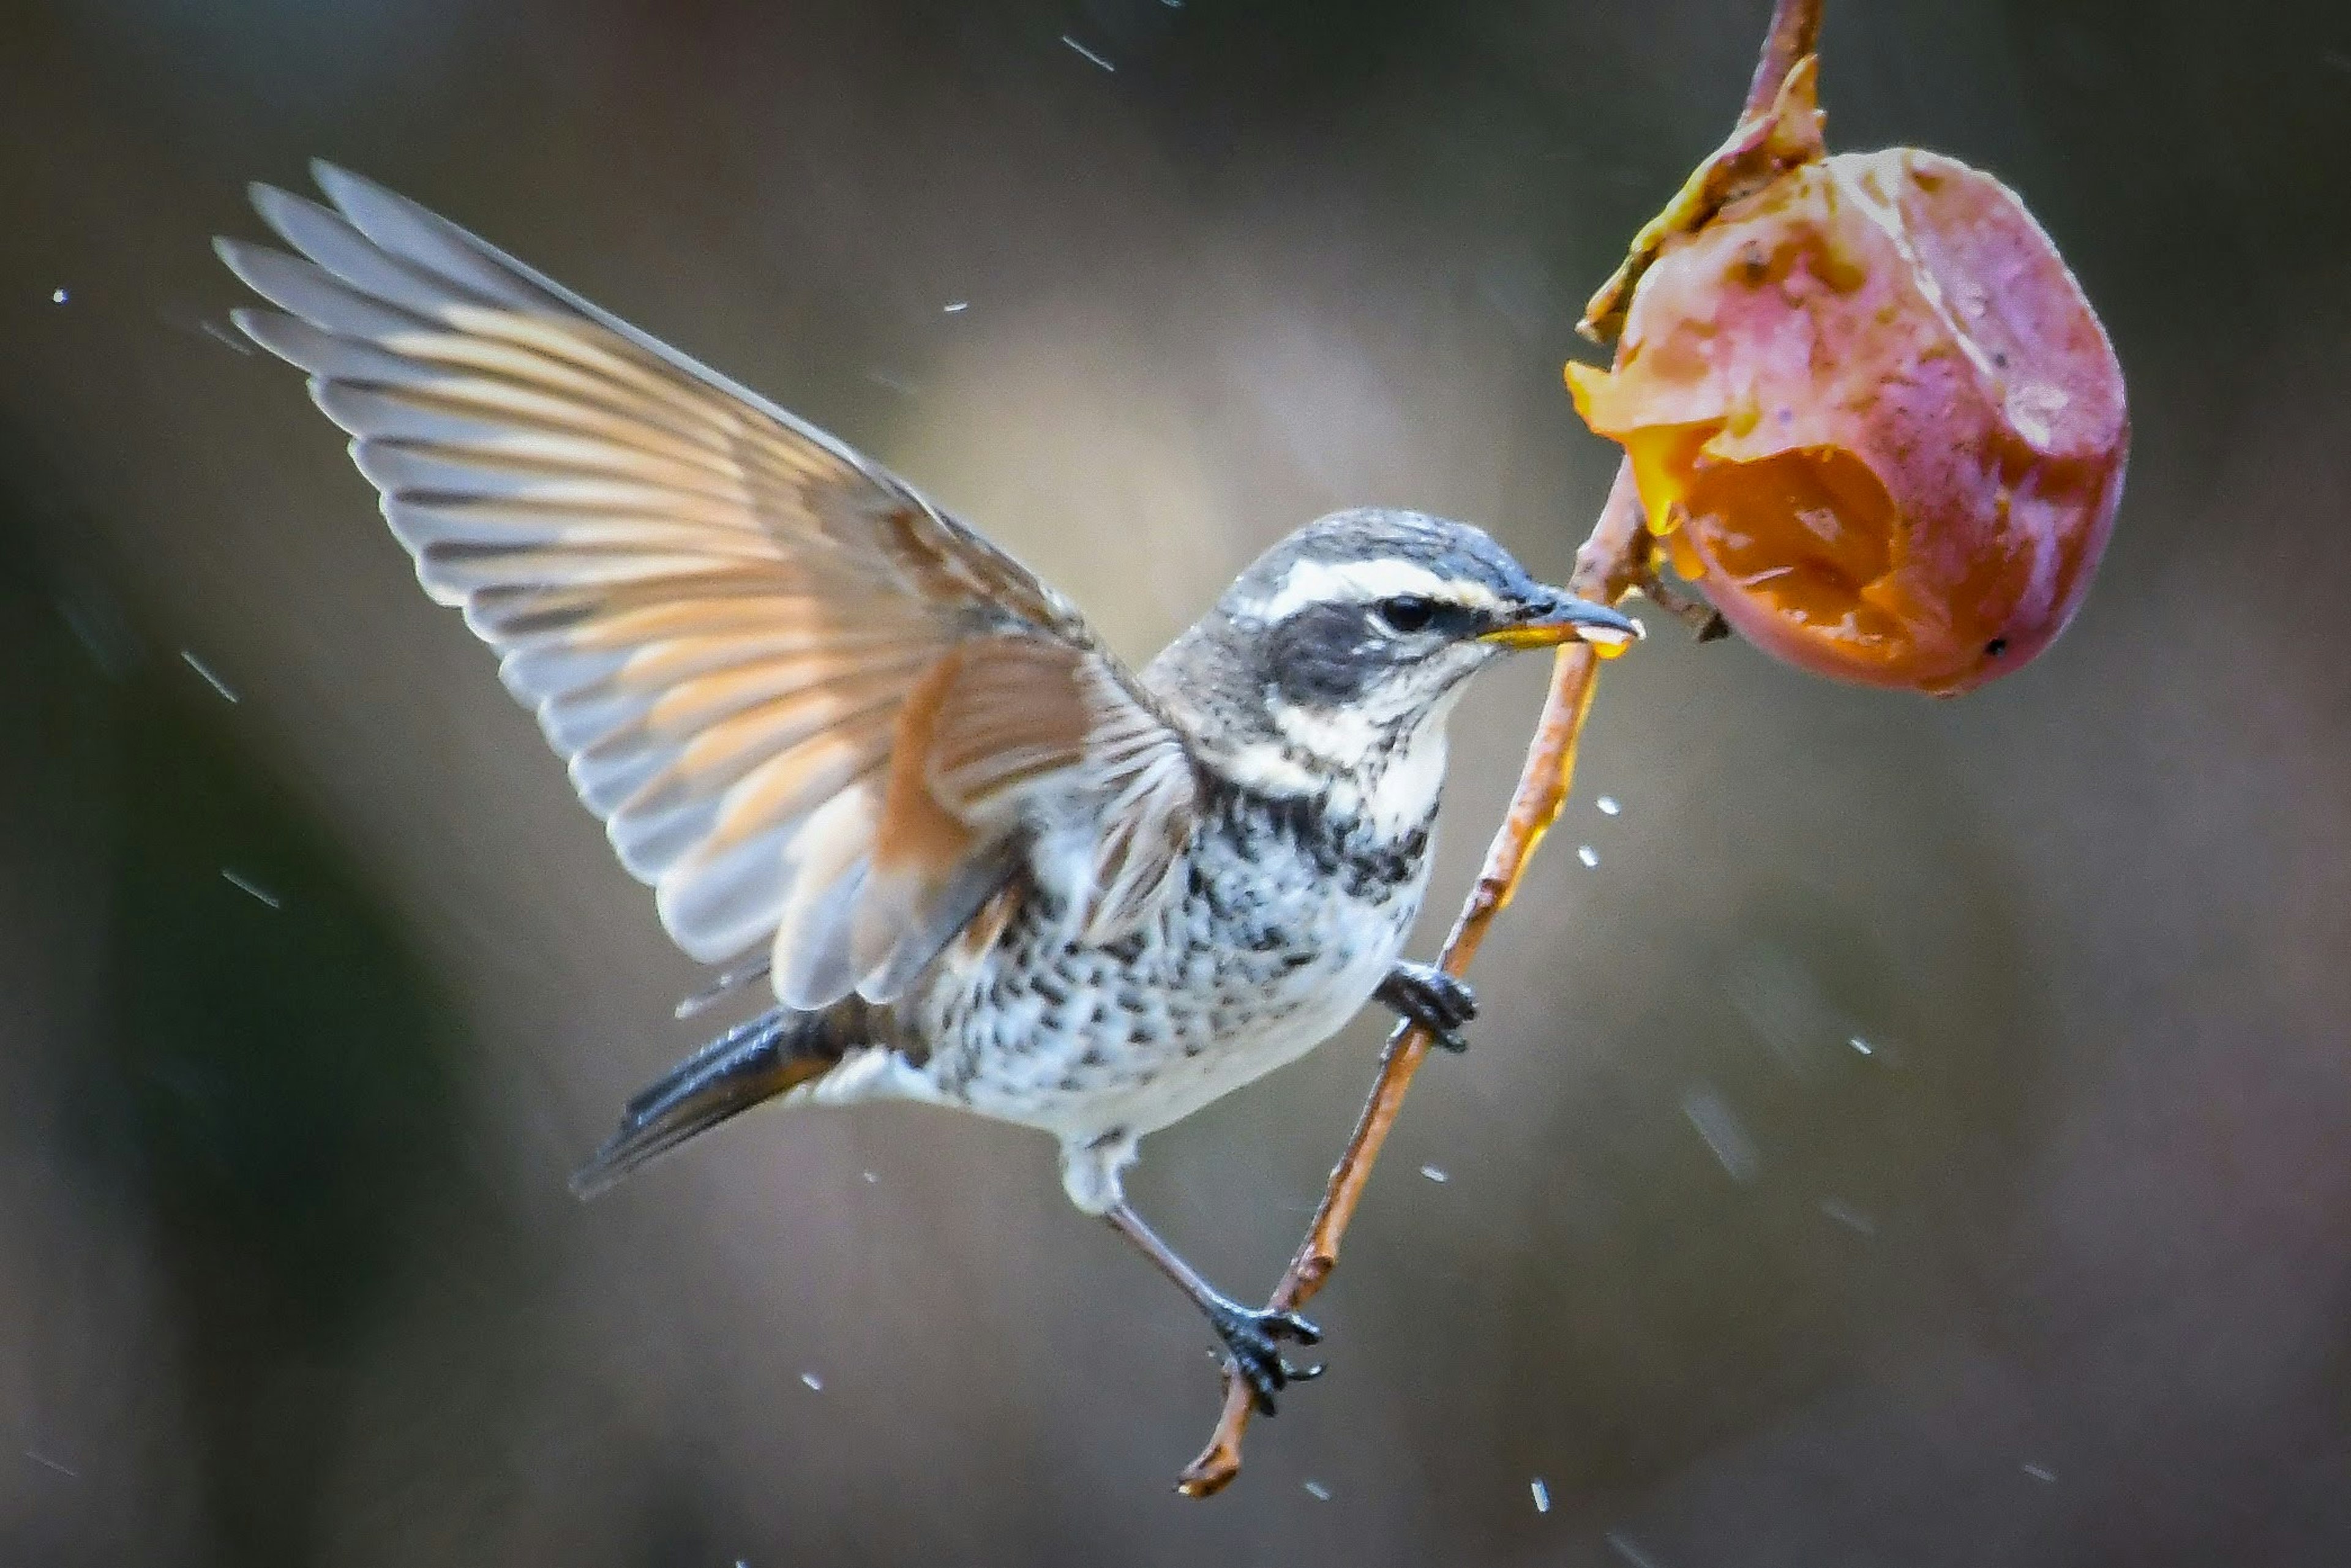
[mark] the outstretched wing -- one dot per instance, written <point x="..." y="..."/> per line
<point x="810" y="707"/>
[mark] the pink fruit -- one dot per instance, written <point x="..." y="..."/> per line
<point x="1869" y="410"/>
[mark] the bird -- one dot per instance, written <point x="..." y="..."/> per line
<point x="861" y="753"/>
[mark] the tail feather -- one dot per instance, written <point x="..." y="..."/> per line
<point x="751" y="1063"/>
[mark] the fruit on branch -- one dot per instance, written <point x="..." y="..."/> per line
<point x="1870" y="413"/>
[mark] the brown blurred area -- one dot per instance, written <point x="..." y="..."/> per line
<point x="1923" y="1138"/>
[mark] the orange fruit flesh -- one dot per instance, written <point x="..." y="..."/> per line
<point x="1807" y="533"/>
<point x="1870" y="414"/>
<point x="1801" y="543"/>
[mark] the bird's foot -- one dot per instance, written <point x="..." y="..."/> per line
<point x="1253" y="1348"/>
<point x="1432" y="999"/>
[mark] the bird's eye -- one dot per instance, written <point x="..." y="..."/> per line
<point x="1405" y="613"/>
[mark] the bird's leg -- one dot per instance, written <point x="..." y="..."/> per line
<point x="1252" y="1339"/>
<point x="1427" y="996"/>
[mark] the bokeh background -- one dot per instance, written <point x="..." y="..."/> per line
<point x="1923" y="1138"/>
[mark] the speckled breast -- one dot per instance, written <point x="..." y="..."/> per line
<point x="1287" y="921"/>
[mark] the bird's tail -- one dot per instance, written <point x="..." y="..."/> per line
<point x="750" y="1063"/>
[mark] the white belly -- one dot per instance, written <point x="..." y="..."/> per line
<point x="1267" y="953"/>
<point x="1183" y="1085"/>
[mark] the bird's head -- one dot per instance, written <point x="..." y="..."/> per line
<point x="1339" y="651"/>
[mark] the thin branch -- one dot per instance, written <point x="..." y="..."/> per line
<point x="1795" y="33"/>
<point x="1609" y="565"/>
<point x="1685" y="604"/>
<point x="1613" y="561"/>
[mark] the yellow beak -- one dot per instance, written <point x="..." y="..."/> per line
<point x="1561" y="618"/>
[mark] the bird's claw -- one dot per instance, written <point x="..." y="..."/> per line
<point x="1433" y="999"/>
<point x="1253" y="1349"/>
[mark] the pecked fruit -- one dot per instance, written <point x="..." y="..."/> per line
<point x="1870" y="413"/>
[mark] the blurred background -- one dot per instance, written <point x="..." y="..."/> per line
<point x="1921" y="1136"/>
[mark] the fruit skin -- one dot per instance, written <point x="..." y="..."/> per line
<point x="1871" y="415"/>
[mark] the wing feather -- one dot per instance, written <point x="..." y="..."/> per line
<point x="811" y="708"/>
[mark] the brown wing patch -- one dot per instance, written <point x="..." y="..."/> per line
<point x="918" y="843"/>
<point x="807" y="703"/>
<point x="991" y="718"/>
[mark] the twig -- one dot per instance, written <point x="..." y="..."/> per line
<point x="1613" y="561"/>
<point x="1795" y="33"/>
<point x="1685" y="604"/>
<point x="1607" y="567"/>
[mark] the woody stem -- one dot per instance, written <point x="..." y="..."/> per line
<point x="1607" y="567"/>
<point x="1795" y="33"/>
<point x="1613" y="561"/>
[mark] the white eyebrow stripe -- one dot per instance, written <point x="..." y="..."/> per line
<point x="1363" y="581"/>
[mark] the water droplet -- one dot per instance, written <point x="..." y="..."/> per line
<point x="58" y="296"/>
<point x="1317" y="1491"/>
<point x="1542" y="1495"/>
<point x="957" y="307"/>
<point x="1088" y="53"/>
<point x="1722" y="1133"/>
<point x="100" y="630"/>
<point x="205" y="670"/>
<point x="869" y="1176"/>
<point x="220" y="334"/>
<point x="816" y="1383"/>
<point x="1861" y="1046"/>
<point x="1608" y="806"/>
<point x="1435" y="1175"/>
<point x="1847" y="1216"/>
<point x="1628" y="1552"/>
<point x="1786" y="1007"/>
<point x="233" y="880"/>
<point x="1587" y="854"/>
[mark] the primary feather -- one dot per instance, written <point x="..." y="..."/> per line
<point x="810" y="707"/>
